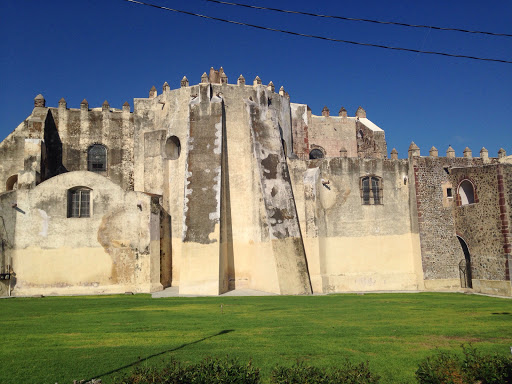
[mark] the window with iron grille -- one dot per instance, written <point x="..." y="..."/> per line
<point x="371" y="190"/>
<point x="79" y="203"/>
<point x="97" y="158"/>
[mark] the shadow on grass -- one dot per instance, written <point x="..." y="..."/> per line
<point x="140" y="360"/>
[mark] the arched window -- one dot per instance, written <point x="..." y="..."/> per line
<point x="466" y="192"/>
<point x="316" y="154"/>
<point x="371" y="190"/>
<point x="97" y="158"/>
<point x="172" y="148"/>
<point x="79" y="202"/>
<point x="11" y="183"/>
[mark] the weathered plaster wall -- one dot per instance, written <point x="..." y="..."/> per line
<point x="117" y="249"/>
<point x="332" y="133"/>
<point x="300" y="114"/>
<point x="351" y="246"/>
<point x="11" y="157"/>
<point x="481" y="225"/>
<point x="204" y="266"/>
<point x="7" y="232"/>
<point x="246" y="255"/>
<point x="280" y="217"/>
<point x="251" y="258"/>
<point x="157" y="173"/>
<point x="12" y="149"/>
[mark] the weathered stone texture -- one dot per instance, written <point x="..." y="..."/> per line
<point x="506" y="210"/>
<point x="440" y="249"/>
<point x="77" y="130"/>
<point x="480" y="224"/>
<point x="370" y="144"/>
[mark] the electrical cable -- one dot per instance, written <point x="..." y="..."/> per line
<point x="318" y="37"/>
<point x="359" y="19"/>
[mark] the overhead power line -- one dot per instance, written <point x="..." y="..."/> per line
<point x="359" y="19"/>
<point x="318" y="37"/>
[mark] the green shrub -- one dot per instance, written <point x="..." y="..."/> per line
<point x="474" y="367"/>
<point x="486" y="369"/>
<point x="442" y="368"/>
<point x="230" y="371"/>
<point x="300" y="373"/>
<point x="208" y="371"/>
<point x="350" y="373"/>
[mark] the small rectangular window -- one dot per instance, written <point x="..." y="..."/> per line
<point x="449" y="192"/>
<point x="371" y="190"/>
<point x="79" y="203"/>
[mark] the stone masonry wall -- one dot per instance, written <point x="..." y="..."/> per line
<point x="506" y="216"/>
<point x="77" y="129"/>
<point x="440" y="249"/>
<point x="479" y="224"/>
<point x="370" y="144"/>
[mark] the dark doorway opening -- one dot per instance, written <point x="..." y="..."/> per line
<point x="465" y="266"/>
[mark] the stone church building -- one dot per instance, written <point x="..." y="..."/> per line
<point x="220" y="186"/>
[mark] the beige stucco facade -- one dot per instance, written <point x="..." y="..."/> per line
<point x="219" y="186"/>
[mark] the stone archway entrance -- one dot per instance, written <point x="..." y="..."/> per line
<point x="465" y="266"/>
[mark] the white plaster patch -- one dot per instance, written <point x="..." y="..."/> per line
<point x="216" y="187"/>
<point x="44" y="223"/>
<point x="33" y="141"/>
<point x="218" y="138"/>
<point x="295" y="106"/>
<point x="187" y="192"/>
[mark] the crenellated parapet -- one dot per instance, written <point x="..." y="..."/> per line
<point x="467" y="153"/>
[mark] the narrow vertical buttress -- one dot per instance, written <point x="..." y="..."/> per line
<point x="203" y="270"/>
<point x="281" y="216"/>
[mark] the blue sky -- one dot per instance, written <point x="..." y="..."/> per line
<point x="112" y="50"/>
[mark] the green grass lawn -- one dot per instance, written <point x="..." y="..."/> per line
<point x="58" y="339"/>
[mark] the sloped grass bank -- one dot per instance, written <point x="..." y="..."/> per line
<point x="59" y="339"/>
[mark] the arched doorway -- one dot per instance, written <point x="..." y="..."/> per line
<point x="172" y="148"/>
<point x="465" y="266"/>
<point x="11" y="183"/>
